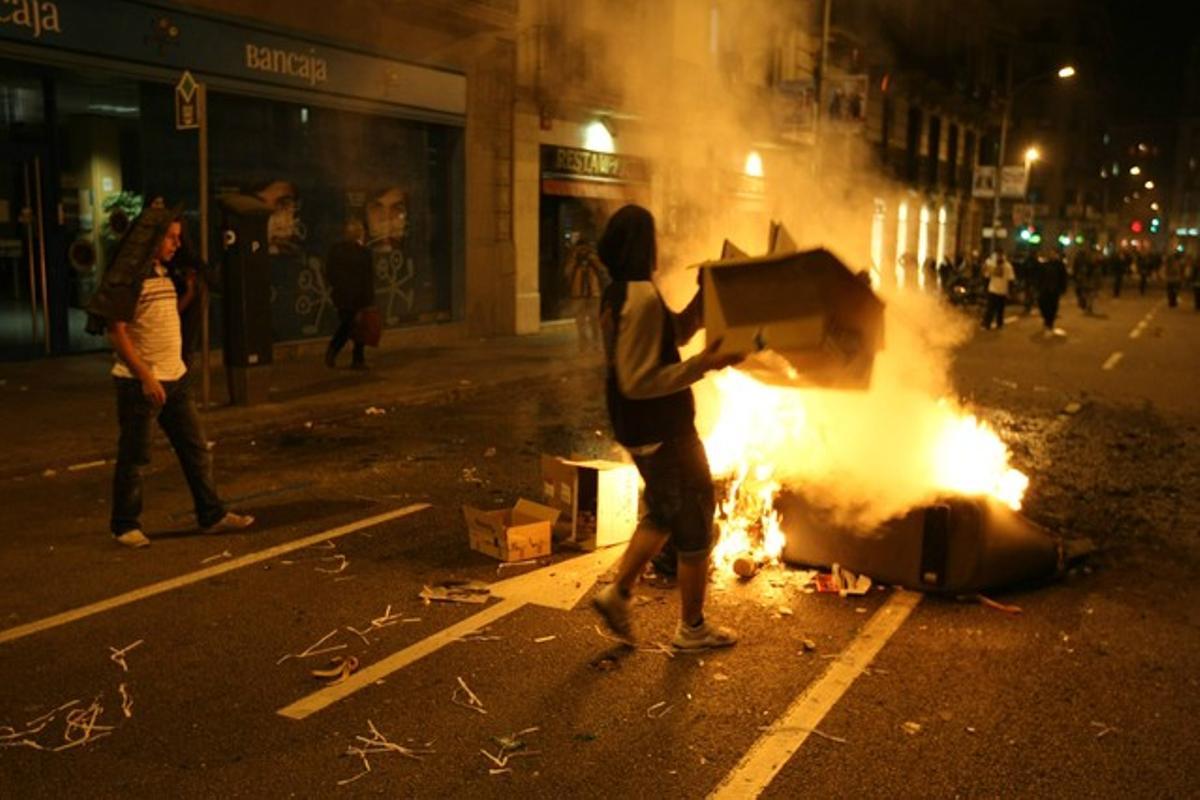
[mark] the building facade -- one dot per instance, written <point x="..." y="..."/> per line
<point x="396" y="116"/>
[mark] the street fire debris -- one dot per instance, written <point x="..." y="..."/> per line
<point x="377" y="743"/>
<point x="510" y="747"/>
<point x="81" y="727"/>
<point x="118" y="655"/>
<point x="474" y="592"/>
<point x="341" y="561"/>
<point x="337" y="670"/>
<point x="471" y="700"/>
<point x="315" y="649"/>
<point x="126" y="701"/>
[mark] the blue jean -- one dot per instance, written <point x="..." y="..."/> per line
<point x="180" y="422"/>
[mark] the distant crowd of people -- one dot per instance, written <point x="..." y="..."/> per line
<point x="1043" y="276"/>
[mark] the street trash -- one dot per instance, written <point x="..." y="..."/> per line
<point x="911" y="728"/>
<point x="544" y="639"/>
<point x="480" y="635"/>
<point x="510" y="747"/>
<point x="658" y="710"/>
<point x="342" y="563"/>
<point x="315" y="649"/>
<point x="225" y="554"/>
<point x="599" y="500"/>
<point x="118" y="655"/>
<point x="49" y="473"/>
<point x="745" y="566"/>
<point x="785" y="611"/>
<point x="471" y="475"/>
<point x="809" y="645"/>
<point x="1072" y="408"/>
<point x="511" y="534"/>
<point x="374" y="411"/>
<point x="1104" y="729"/>
<point x="337" y="670"/>
<point x="474" y="592"/>
<point x="489" y="453"/>
<point x="126" y="701"/>
<point x="378" y="743"/>
<point x="463" y="696"/>
<point x="990" y="603"/>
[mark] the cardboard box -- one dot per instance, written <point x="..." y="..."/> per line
<point x="599" y="499"/>
<point x="511" y="534"/>
<point x="804" y="318"/>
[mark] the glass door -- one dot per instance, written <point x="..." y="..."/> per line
<point x="24" y="307"/>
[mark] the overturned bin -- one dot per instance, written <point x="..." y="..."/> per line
<point x="958" y="545"/>
<point x="804" y="318"/>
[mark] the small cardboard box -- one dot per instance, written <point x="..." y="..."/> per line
<point x="600" y="499"/>
<point x="511" y="534"/>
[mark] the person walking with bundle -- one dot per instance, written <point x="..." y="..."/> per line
<point x="652" y="412"/>
<point x="1000" y="275"/>
<point x="138" y="306"/>
<point x="351" y="275"/>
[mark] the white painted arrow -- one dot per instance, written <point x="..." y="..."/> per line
<point x="560" y="586"/>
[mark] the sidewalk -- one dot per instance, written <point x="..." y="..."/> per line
<point x="61" y="412"/>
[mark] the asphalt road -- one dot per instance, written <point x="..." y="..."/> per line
<point x="1090" y="692"/>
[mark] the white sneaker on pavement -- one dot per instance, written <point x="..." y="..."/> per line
<point x="703" y="636"/>
<point x="229" y="522"/>
<point x="134" y="538"/>
<point x="614" y="608"/>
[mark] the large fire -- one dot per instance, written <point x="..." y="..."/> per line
<point x="764" y="437"/>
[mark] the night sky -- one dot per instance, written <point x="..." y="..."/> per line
<point x="1147" y="57"/>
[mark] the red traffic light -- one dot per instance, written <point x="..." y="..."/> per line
<point x="1136" y="226"/>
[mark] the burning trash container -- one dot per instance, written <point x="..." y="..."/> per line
<point x="959" y="545"/>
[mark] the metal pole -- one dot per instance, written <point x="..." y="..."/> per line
<point x="41" y="234"/>
<point x="202" y="103"/>
<point x="1000" y="154"/>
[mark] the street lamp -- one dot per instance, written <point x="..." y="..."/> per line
<point x="1063" y="73"/>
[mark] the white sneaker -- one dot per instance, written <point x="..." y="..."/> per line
<point x="230" y="522"/>
<point x="703" y="636"/>
<point x="614" y="608"/>
<point x="133" y="538"/>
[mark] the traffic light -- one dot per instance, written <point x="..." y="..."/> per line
<point x="1136" y="226"/>
<point x="1155" y="223"/>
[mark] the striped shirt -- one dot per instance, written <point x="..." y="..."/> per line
<point x="155" y="330"/>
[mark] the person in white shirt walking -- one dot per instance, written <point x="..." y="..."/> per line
<point x="139" y="308"/>
<point x="1000" y="276"/>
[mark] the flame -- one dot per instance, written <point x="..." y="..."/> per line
<point x="764" y="437"/>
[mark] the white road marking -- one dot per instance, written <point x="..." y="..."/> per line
<point x="1113" y="360"/>
<point x="202" y="575"/>
<point x="559" y="585"/>
<point x="779" y="743"/>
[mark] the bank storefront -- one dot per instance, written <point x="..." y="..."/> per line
<point x="323" y="134"/>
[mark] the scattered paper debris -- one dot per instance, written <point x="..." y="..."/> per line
<point x="49" y="473"/>
<point x="86" y="465"/>
<point x="471" y="700"/>
<point x="315" y="649"/>
<point x="337" y="670"/>
<point x="1072" y="408"/>
<point x="813" y="731"/>
<point x="1006" y="608"/>
<point x="785" y="611"/>
<point x="489" y="453"/>
<point x="1104" y="729"/>
<point x="911" y="728"/>
<point x="658" y="710"/>
<point x="648" y="647"/>
<point x="471" y="475"/>
<point x="511" y="746"/>
<point x="126" y="701"/>
<point x="480" y="635"/>
<point x="544" y="639"/>
<point x="374" y="411"/>
<point x="809" y="645"/>
<point x="720" y="676"/>
<point x="378" y="743"/>
<point x="474" y="592"/>
<point x="210" y="559"/>
<point x="342" y="563"/>
<point x="118" y="656"/>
